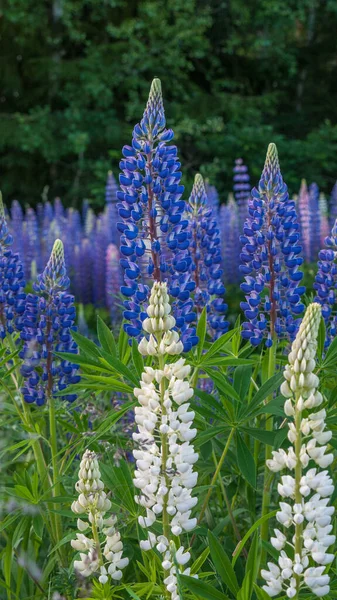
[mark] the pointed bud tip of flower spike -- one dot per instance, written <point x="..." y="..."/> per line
<point x="198" y="195"/>
<point x="155" y="100"/>
<point x="2" y="209"/>
<point x="272" y="163"/>
<point x="55" y="274"/>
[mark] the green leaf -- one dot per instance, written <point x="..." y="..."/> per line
<point x="195" y="568"/>
<point x="123" y="345"/>
<point x="222" y="564"/>
<point x="331" y="355"/>
<point x="321" y="339"/>
<point x="265" y="390"/>
<point x="242" y="376"/>
<point x="267" y="437"/>
<point x="246" y="461"/>
<point x="106" y="338"/>
<point x="253" y="563"/>
<point x="260" y="593"/>
<point x="201" y="332"/>
<point x="222" y="385"/>
<point x="253" y="528"/>
<point x="218" y="345"/>
<point x="202" y="589"/>
<point x="88" y="346"/>
<point x="119" y="481"/>
<point x="132" y="594"/>
<point x="119" y="367"/>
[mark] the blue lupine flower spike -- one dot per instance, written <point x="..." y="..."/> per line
<point x="48" y="320"/>
<point x="154" y="231"/>
<point x="270" y="259"/>
<point x="12" y="283"/>
<point x="206" y="264"/>
<point x="326" y="284"/>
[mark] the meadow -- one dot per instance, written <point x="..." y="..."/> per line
<point x="168" y="386"/>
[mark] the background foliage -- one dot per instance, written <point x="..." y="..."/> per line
<point x="236" y="75"/>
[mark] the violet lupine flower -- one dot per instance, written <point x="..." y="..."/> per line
<point x="213" y="197"/>
<point x="112" y="279"/>
<point x="100" y="246"/>
<point x="271" y="259"/>
<point x="315" y="221"/>
<point x="155" y="239"/>
<point x="326" y="284"/>
<point x="304" y="512"/>
<point x="47" y="322"/>
<point x="206" y="268"/>
<point x="31" y="243"/>
<point x="304" y="219"/>
<point x="230" y="233"/>
<point x="333" y="205"/>
<point x="111" y="208"/>
<point x="16" y="227"/>
<point x="83" y="271"/>
<point x="241" y="188"/>
<point x="12" y="283"/>
<point x="324" y="218"/>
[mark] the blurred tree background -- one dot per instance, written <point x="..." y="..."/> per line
<point x="236" y="75"/>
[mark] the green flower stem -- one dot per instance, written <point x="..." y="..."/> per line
<point x="56" y="490"/>
<point x="214" y="479"/>
<point x="298" y="476"/>
<point x="97" y="542"/>
<point x="268" y="454"/>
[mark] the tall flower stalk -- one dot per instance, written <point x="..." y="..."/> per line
<point x="241" y="189"/>
<point x="165" y="455"/>
<point x="305" y="515"/>
<point x="270" y="259"/>
<point x="154" y="231"/>
<point x="102" y="552"/>
<point x="326" y="284"/>
<point x="206" y="268"/>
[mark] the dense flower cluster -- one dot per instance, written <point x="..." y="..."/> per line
<point x="165" y="456"/>
<point x="47" y="321"/>
<point x="271" y="259"/>
<point x="326" y="284"/>
<point x="206" y="265"/>
<point x="241" y="188"/>
<point x="307" y="488"/>
<point x="105" y="558"/>
<point x="230" y="234"/>
<point x="12" y="295"/>
<point x="333" y="205"/>
<point x="154" y="232"/>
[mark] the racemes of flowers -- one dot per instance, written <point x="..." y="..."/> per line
<point x="241" y="189"/>
<point x="206" y="268"/>
<point x="48" y="320"/>
<point x="304" y="511"/>
<point x="230" y="232"/>
<point x="164" y="454"/>
<point x="154" y="231"/>
<point x="326" y="284"/>
<point x="106" y="557"/>
<point x="12" y="283"/>
<point x="270" y="259"/>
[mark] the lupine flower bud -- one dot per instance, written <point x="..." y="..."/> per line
<point x="12" y="295"/>
<point x="154" y="234"/>
<point x="47" y="321"/>
<point x="307" y="488"/>
<point x="270" y="259"/>
<point x="206" y="265"/>
<point x="105" y="557"/>
<point x="164" y="454"/>
<point x="326" y="284"/>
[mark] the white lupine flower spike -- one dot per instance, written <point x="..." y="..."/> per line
<point x="104" y="559"/>
<point x="164" y="455"/>
<point x="306" y="490"/>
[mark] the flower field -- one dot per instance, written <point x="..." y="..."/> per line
<point x="180" y="446"/>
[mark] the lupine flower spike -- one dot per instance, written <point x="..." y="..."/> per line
<point x="270" y="259"/>
<point x="12" y="295"/>
<point x="165" y="455"/>
<point x="154" y="240"/>
<point x="104" y="557"/>
<point x="206" y="265"/>
<point x="326" y="284"/>
<point x="48" y="318"/>
<point x="241" y="188"/>
<point x="304" y="511"/>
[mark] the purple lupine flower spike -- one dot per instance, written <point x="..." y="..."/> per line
<point x="31" y="243"/>
<point x="100" y="246"/>
<point x="113" y="279"/>
<point x="333" y="206"/>
<point x="213" y="198"/>
<point x="241" y="188"/>
<point x="324" y="220"/>
<point x="304" y="219"/>
<point x="230" y="229"/>
<point x="48" y="320"/>
<point x="326" y="284"/>
<point x="154" y="240"/>
<point x="315" y="221"/>
<point x="271" y="259"/>
<point x="16" y="227"/>
<point x="12" y="283"/>
<point x="206" y="260"/>
<point x="111" y="208"/>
